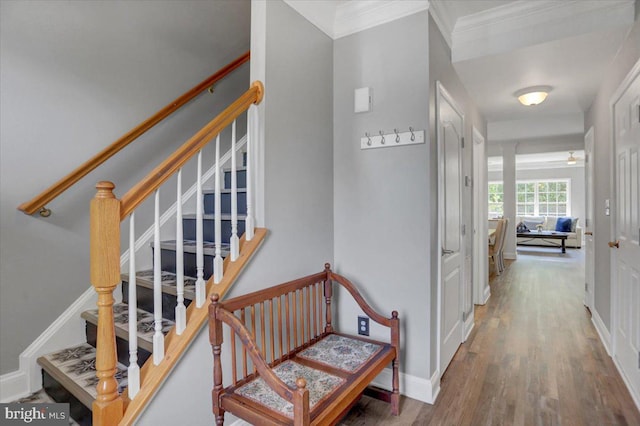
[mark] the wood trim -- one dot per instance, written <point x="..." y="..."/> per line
<point x="172" y="164"/>
<point x="152" y="376"/>
<point x="39" y="201"/>
<point x="105" y="277"/>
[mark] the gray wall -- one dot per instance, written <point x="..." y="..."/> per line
<point x="598" y="116"/>
<point x="381" y="196"/>
<point x="299" y="193"/>
<point x="441" y="69"/>
<point x="75" y="76"/>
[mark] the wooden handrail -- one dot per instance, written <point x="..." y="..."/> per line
<point x="38" y="202"/>
<point x="172" y="164"/>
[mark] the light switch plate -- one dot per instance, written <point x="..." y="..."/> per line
<point x="362" y="99"/>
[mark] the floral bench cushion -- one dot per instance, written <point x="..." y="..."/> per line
<point x="341" y="352"/>
<point x="320" y="384"/>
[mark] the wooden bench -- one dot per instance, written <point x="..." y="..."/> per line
<point x="288" y="366"/>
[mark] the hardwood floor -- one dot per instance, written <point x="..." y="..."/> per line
<point x="533" y="358"/>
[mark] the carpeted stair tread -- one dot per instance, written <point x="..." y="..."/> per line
<point x="121" y="319"/>
<point x="74" y="368"/>
<point x="145" y="279"/>
<point x="189" y="246"/>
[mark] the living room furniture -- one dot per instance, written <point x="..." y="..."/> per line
<point x="288" y="365"/>
<point x="496" y="250"/>
<point x="545" y="236"/>
<point x="574" y="238"/>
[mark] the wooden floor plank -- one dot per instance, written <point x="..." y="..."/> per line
<point x="533" y="358"/>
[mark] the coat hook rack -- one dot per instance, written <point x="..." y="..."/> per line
<point x="410" y="137"/>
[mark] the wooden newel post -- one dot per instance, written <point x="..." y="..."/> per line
<point x="105" y="277"/>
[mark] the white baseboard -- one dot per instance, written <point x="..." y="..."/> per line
<point x="486" y="295"/>
<point x="411" y="386"/>
<point x="627" y="382"/>
<point x="67" y="330"/>
<point x="468" y="326"/>
<point x="13" y="386"/>
<point x="604" y="334"/>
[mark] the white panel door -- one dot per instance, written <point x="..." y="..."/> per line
<point x="589" y="276"/>
<point x="625" y="254"/>
<point x="449" y="137"/>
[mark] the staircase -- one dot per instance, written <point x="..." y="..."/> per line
<point x="69" y="375"/>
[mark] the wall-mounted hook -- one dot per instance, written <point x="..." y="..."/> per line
<point x="382" y="141"/>
<point x="368" y="137"/>
<point x="413" y="136"/>
<point x="397" y="135"/>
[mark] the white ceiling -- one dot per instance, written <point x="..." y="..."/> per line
<point x="501" y="46"/>
<point x="546" y="160"/>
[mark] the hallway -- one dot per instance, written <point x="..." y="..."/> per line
<point x="533" y="358"/>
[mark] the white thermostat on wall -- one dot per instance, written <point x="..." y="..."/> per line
<point x="362" y="99"/>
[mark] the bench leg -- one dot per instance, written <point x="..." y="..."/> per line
<point x="219" y="413"/>
<point x="395" y="396"/>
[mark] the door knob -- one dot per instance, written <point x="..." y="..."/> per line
<point x="445" y="251"/>
<point x="588" y="233"/>
<point x="615" y="244"/>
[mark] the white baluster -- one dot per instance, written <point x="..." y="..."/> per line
<point x="200" y="284"/>
<point x="234" y="242"/>
<point x="133" y="372"/>
<point x="158" y="337"/>
<point x="181" y="310"/>
<point x="249" y="224"/>
<point x="217" y="262"/>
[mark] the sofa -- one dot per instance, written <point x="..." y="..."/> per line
<point x="548" y="223"/>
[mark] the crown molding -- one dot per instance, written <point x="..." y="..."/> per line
<point x="525" y="23"/>
<point x="321" y="13"/>
<point x="355" y="16"/>
<point x="441" y="16"/>
<point x="342" y="19"/>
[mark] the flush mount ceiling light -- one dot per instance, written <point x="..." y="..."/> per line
<point x="571" y="160"/>
<point x="533" y="95"/>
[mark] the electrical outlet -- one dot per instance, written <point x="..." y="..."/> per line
<point x="363" y="326"/>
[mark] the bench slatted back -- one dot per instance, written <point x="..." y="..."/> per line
<point x="281" y="320"/>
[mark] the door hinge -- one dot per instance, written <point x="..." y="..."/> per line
<point x="639" y="360"/>
<point x="586" y="286"/>
<point x="464" y="316"/>
<point x="464" y="229"/>
<point x="462" y="142"/>
<point x="467" y="181"/>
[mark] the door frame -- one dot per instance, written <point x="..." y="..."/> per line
<point x="442" y="93"/>
<point x="481" y="290"/>
<point x="589" y="298"/>
<point x="617" y="95"/>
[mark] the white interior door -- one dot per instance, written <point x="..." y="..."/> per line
<point x="481" y="290"/>
<point x="450" y="125"/>
<point x="589" y="276"/>
<point x="625" y="253"/>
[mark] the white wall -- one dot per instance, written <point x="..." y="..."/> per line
<point x="598" y="116"/>
<point x="75" y="76"/>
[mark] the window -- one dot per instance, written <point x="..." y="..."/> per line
<point x="496" y="199"/>
<point x="533" y="198"/>
<point x="542" y="198"/>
